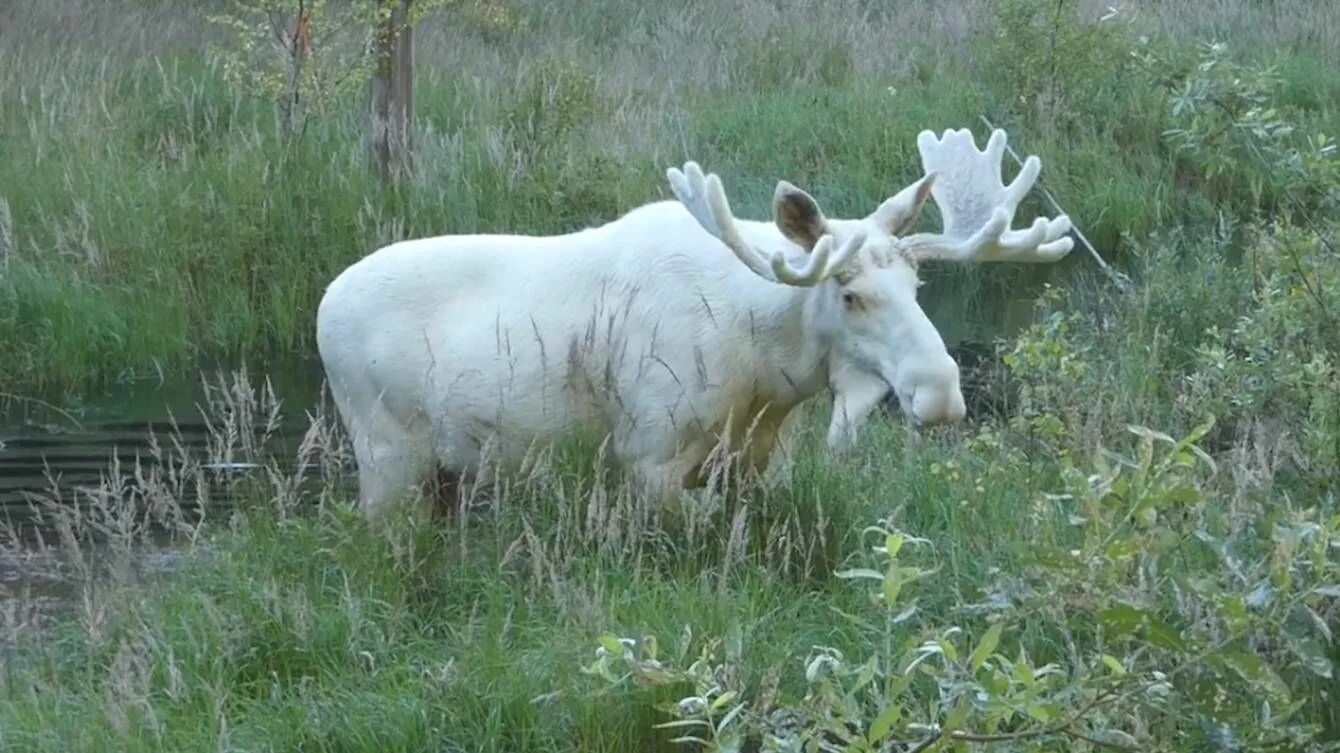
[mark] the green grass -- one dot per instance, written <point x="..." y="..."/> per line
<point x="158" y="222"/>
<point x="160" y="198"/>
<point x="290" y="623"/>
<point x="315" y="633"/>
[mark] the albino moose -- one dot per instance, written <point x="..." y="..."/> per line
<point x="668" y="330"/>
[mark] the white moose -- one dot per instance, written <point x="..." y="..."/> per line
<point x="668" y="330"/>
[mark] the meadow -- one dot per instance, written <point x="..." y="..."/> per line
<point x="1133" y="544"/>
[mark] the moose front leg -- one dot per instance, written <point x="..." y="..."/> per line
<point x="663" y="484"/>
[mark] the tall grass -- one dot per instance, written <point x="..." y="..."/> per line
<point x="151" y="217"/>
<point x="156" y="218"/>
<point x="284" y="621"/>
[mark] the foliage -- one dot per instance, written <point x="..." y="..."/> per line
<point x="1048" y="361"/>
<point x="1274" y="364"/>
<point x="1053" y="577"/>
<point x="1231" y="119"/>
<point x="1056" y="66"/>
<point x="240" y="228"/>
<point x="1136" y="654"/>
<point x="306" y="56"/>
<point x="558" y="98"/>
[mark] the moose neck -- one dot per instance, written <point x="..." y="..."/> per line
<point x="792" y="331"/>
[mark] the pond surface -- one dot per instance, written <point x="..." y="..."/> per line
<point x="72" y="444"/>
<point x="50" y="451"/>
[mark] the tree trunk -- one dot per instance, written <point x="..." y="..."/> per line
<point x="389" y="138"/>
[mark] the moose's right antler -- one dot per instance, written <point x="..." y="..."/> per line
<point x="978" y="207"/>
<point x="705" y="199"/>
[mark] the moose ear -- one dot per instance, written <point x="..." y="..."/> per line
<point x="798" y="216"/>
<point x="899" y="213"/>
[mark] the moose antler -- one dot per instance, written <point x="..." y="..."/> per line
<point x="977" y="207"/>
<point x="705" y="199"/>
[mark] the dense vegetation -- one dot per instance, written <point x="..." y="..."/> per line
<point x="1133" y="545"/>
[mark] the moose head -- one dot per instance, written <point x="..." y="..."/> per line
<point x="861" y="274"/>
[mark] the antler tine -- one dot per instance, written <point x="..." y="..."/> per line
<point x="705" y="198"/>
<point x="978" y="207"/>
<point x="687" y="186"/>
<point x="822" y="264"/>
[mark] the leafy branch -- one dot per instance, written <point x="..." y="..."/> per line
<point x="920" y="686"/>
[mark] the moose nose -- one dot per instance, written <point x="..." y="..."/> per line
<point x="933" y="407"/>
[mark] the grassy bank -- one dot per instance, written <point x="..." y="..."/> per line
<point x="1141" y="594"/>
<point x="1058" y="574"/>
<point x="153" y="216"/>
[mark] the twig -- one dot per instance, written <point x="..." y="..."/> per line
<point x="1095" y="741"/>
<point x="1117" y="278"/>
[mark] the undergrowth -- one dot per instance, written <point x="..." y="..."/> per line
<point x="155" y="215"/>
<point x="1132" y="545"/>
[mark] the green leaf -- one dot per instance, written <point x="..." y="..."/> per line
<point x="997" y="683"/>
<point x="904" y="615"/>
<point x="860" y="572"/>
<point x="1124" y="548"/>
<point x="883" y="724"/>
<point x="611" y="644"/>
<point x="1232" y="609"/>
<point x="866" y="675"/>
<point x="1197" y="433"/>
<point x="892" y="544"/>
<point x="1206" y="459"/>
<point x="1163" y="635"/>
<point x="954" y="719"/>
<point x="1023" y="674"/>
<point x="655" y="675"/>
<point x="985" y="646"/>
<point x="1313" y="656"/>
<point x="1317" y="621"/>
<point x="1114" y="665"/>
<point x="1122" y="619"/>
<point x="853" y="619"/>
<point x="1252" y="669"/>
<point x="892" y="587"/>
<point x="1043" y="712"/>
<point x="679" y="723"/>
<point x="1147" y="433"/>
<point x="1183" y="494"/>
<point x="729" y="717"/>
<point x="948" y="648"/>
<point x="724" y="699"/>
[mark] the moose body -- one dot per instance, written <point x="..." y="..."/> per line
<point x="445" y="353"/>
<point x="634" y="329"/>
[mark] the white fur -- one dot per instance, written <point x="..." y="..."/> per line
<point x="648" y="330"/>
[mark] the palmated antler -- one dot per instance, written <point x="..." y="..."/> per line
<point x="977" y="207"/>
<point x="705" y="199"/>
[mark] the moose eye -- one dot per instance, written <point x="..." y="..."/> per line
<point x="850" y="300"/>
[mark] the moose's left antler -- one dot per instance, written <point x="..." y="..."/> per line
<point x="704" y="197"/>
<point x="977" y="207"/>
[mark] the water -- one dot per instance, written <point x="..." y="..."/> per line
<point x="48" y="450"/>
<point x="74" y="443"/>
